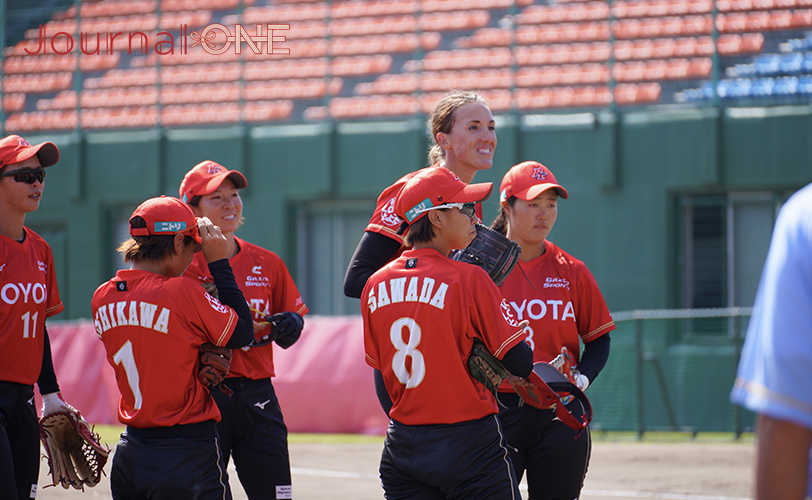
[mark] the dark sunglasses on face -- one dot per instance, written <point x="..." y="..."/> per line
<point x="27" y="176"/>
<point x="468" y="209"/>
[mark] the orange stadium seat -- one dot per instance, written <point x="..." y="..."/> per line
<point x="37" y="82"/>
<point x="262" y="111"/>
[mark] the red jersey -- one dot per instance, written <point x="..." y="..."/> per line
<point x="28" y="295"/>
<point x="421" y="314"/>
<point x="269" y="288"/>
<point x="384" y="220"/>
<point x="563" y="304"/>
<point x="152" y="328"/>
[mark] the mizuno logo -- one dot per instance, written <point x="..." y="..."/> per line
<point x="261" y="406"/>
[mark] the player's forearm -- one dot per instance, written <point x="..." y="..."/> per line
<point x="47" y="376"/>
<point x="231" y="295"/>
<point x="372" y="253"/>
<point x="594" y="358"/>
<point x="783" y="459"/>
<point x="519" y="359"/>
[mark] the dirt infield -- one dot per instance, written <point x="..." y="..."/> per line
<point x="679" y="471"/>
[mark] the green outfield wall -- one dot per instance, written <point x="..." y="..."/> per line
<point x="632" y="179"/>
<point x="625" y="174"/>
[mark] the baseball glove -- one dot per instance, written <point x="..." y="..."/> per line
<point x="285" y="329"/>
<point x="545" y="388"/>
<point x="485" y="368"/>
<point x="491" y="251"/>
<point x="215" y="362"/>
<point x="75" y="455"/>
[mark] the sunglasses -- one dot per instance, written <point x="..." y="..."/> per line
<point x="467" y="209"/>
<point x="27" y="176"/>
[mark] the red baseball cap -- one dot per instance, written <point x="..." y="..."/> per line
<point x="434" y="187"/>
<point x="205" y="178"/>
<point x="14" y="149"/>
<point x="165" y="215"/>
<point x="528" y="180"/>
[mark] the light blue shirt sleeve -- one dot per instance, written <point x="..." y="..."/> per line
<point x="775" y="371"/>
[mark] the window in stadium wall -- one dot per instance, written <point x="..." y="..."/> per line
<point x="724" y="244"/>
<point x="326" y="236"/>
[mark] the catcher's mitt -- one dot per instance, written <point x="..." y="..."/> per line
<point x="75" y="455"/>
<point x="215" y="362"/>
<point x="491" y="251"/>
<point x="546" y="387"/>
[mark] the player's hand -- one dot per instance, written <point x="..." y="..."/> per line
<point x="214" y="244"/>
<point x="260" y="326"/>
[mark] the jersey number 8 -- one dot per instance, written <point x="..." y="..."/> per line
<point x="405" y="350"/>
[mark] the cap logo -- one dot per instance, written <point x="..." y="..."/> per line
<point x="539" y="173"/>
<point x="23" y="142"/>
<point x="169" y="227"/>
<point x="417" y="209"/>
<point x="213" y="168"/>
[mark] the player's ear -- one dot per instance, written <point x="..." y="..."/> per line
<point x="442" y="140"/>
<point x="436" y="218"/>
<point x="178" y="243"/>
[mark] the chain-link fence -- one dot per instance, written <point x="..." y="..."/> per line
<point x="672" y="370"/>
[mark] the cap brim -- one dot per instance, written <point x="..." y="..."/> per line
<point x="48" y="154"/>
<point x="472" y="193"/>
<point x="237" y="178"/>
<point x="533" y="191"/>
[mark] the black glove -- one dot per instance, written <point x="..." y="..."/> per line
<point x="286" y="328"/>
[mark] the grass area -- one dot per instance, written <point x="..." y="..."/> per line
<point x="671" y="437"/>
<point x="109" y="435"/>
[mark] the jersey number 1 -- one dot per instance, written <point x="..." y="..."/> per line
<point x="125" y="358"/>
<point x="407" y="349"/>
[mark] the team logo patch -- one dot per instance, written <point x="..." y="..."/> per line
<point x="23" y="143"/>
<point x="539" y="173"/>
<point x="213" y="168"/>
<point x="418" y="209"/>
<point x="121" y="286"/>
<point x="507" y="314"/>
<point x="216" y="305"/>
<point x="388" y="215"/>
<point x="42" y="266"/>
<point x="411" y="263"/>
<point x="169" y="227"/>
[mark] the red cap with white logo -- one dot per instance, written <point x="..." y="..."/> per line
<point x="205" y="178"/>
<point x="527" y="180"/>
<point x="165" y="215"/>
<point x="15" y="149"/>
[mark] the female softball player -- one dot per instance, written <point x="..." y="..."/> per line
<point x="421" y="313"/>
<point x="252" y="429"/>
<point x="557" y="294"/>
<point x="29" y="295"/>
<point x="152" y="322"/>
<point x="463" y="140"/>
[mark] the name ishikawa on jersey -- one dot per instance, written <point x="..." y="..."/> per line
<point x="269" y="288"/>
<point x="28" y="295"/>
<point x="558" y="295"/>
<point x="152" y="328"/>
<point x="421" y="314"/>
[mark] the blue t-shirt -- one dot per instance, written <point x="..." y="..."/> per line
<point x="775" y="372"/>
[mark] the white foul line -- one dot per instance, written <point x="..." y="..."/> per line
<point x="332" y="473"/>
